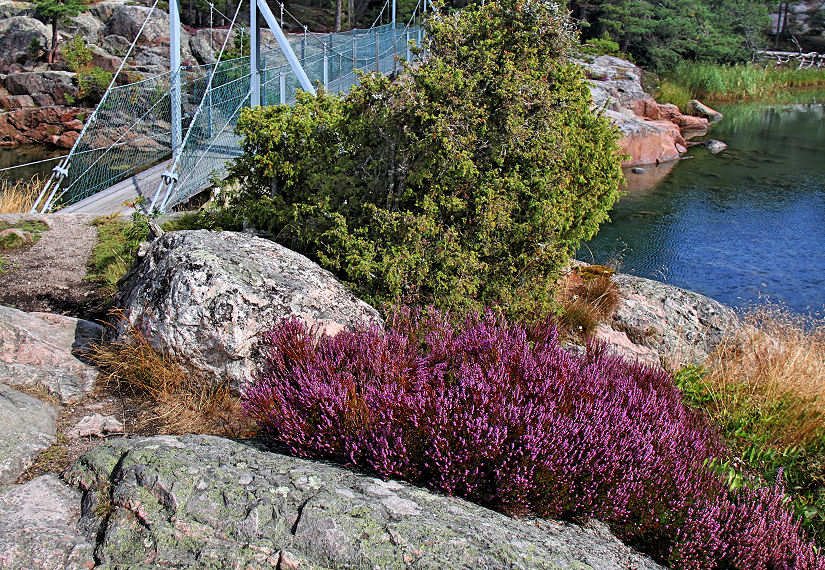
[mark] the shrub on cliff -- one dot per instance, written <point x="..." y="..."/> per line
<point x="470" y="179"/>
<point x="501" y="415"/>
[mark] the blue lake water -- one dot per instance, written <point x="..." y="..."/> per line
<point x="745" y="226"/>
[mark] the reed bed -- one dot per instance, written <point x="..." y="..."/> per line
<point x="730" y="83"/>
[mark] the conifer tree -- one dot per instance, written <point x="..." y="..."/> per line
<point x="58" y="11"/>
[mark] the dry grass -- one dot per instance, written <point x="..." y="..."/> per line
<point x="771" y="376"/>
<point x="19" y="196"/>
<point x="170" y="400"/>
<point x="587" y="296"/>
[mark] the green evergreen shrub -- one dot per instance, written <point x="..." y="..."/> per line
<point x="468" y="180"/>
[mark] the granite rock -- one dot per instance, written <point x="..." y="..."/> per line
<point x="202" y="501"/>
<point x="40" y="350"/>
<point x="28" y="426"/>
<point x="205" y="298"/>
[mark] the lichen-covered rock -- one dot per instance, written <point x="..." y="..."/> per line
<point x="202" y="501"/>
<point x="38" y="527"/>
<point x="17" y="36"/>
<point x="39" y="350"/>
<point x="205" y="297"/>
<point x="27" y="426"/>
<point x="683" y="327"/>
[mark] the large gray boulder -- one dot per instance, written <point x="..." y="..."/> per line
<point x="28" y="426"/>
<point x="17" y="34"/>
<point x="205" y="297"/>
<point x="38" y="527"/>
<point x="86" y="25"/>
<point x="126" y="20"/>
<point x="680" y="326"/>
<point x="56" y="84"/>
<point x="40" y="350"/>
<point x="202" y="501"/>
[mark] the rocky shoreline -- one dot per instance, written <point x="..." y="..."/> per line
<point x="652" y="133"/>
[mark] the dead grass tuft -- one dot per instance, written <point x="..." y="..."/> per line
<point x="772" y="374"/>
<point x="19" y="196"/>
<point x="586" y="298"/>
<point x="170" y="400"/>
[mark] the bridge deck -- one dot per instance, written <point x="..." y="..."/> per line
<point x="111" y="200"/>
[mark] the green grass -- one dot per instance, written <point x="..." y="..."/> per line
<point x="4" y="264"/>
<point x="32" y="232"/>
<point x="118" y="242"/>
<point x="707" y="81"/>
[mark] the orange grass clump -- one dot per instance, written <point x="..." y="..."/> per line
<point x="19" y="196"/>
<point x="586" y="298"/>
<point x="772" y="370"/>
<point x="170" y="400"/>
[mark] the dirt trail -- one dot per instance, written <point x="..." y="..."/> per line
<point x="49" y="275"/>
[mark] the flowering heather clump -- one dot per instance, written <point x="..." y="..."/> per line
<point x="501" y="415"/>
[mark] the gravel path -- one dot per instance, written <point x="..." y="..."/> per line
<point x="49" y="276"/>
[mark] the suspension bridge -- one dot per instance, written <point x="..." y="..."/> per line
<point x="161" y="140"/>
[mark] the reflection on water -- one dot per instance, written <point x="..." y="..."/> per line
<point x="26" y="154"/>
<point x="739" y="226"/>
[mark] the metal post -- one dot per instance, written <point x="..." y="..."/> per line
<point x="174" y="68"/>
<point x="282" y="14"/>
<point x="326" y="68"/>
<point x="407" y="43"/>
<point x="254" y="55"/>
<point x="304" y="45"/>
<point x="376" y="50"/>
<point x="354" y="52"/>
<point x="283" y="89"/>
<point x="267" y="14"/>
<point x="264" y="91"/>
<point x="394" y="40"/>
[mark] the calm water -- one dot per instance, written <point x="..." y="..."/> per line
<point x="742" y="226"/>
<point x="22" y="155"/>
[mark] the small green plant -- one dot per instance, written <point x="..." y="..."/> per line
<point x="118" y="242"/>
<point x="602" y="46"/>
<point x="210" y="219"/>
<point x="77" y="54"/>
<point x="92" y="84"/>
<point x="4" y="265"/>
<point x="92" y="81"/>
<point x="35" y="49"/>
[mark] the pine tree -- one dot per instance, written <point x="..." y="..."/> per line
<point x="58" y="11"/>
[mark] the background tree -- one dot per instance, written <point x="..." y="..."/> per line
<point x="58" y="11"/>
<point x="662" y="33"/>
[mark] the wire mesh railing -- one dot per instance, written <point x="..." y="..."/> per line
<point x="330" y="61"/>
<point x="131" y="130"/>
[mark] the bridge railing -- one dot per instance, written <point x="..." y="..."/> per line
<point x="329" y="60"/>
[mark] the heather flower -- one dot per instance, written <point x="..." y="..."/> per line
<point x="500" y="414"/>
